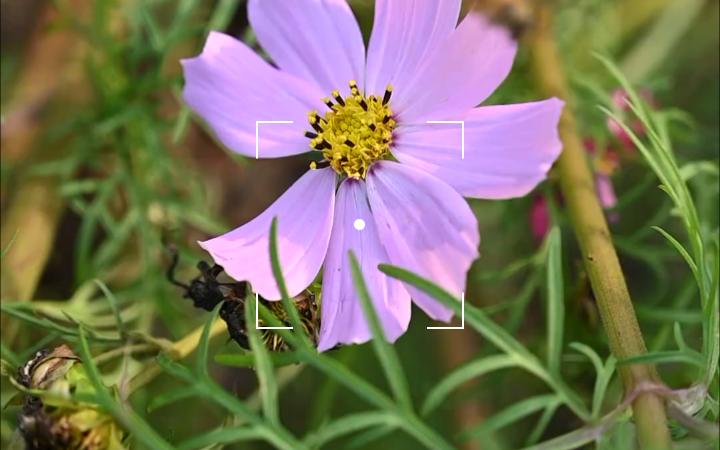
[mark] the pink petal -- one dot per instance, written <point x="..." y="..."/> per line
<point x="305" y="216"/>
<point x="317" y="40"/>
<point x="508" y="149"/>
<point x="458" y="74"/>
<point x="404" y="33"/>
<point x="231" y="87"/>
<point x="426" y="227"/>
<point x="605" y="191"/>
<point x="539" y="218"/>
<point x="343" y="321"/>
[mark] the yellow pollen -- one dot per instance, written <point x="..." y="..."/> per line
<point x="354" y="133"/>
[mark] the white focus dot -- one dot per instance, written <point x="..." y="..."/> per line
<point x="359" y="224"/>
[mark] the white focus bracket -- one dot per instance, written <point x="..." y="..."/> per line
<point x="257" y="319"/>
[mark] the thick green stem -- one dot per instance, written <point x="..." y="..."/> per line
<point x="599" y="255"/>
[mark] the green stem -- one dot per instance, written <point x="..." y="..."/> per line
<point x="601" y="260"/>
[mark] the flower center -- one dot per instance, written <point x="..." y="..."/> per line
<point x="354" y="133"/>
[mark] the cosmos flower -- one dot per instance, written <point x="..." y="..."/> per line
<point x="387" y="185"/>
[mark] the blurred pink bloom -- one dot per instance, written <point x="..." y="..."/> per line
<point x="606" y="195"/>
<point x="539" y="218"/>
<point x="604" y="166"/>
<point x="621" y="106"/>
<point x="413" y="210"/>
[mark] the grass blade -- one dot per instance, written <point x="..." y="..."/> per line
<point x="265" y="374"/>
<point x="247" y="359"/>
<point x="288" y="304"/>
<point x="131" y="421"/>
<point x="350" y="424"/>
<point x="219" y="437"/>
<point x="461" y="375"/>
<point x="513" y="413"/>
<point x="385" y="353"/>
<point x="555" y="300"/>
<point x="203" y="345"/>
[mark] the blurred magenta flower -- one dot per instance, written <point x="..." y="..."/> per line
<point x="604" y="166"/>
<point x="539" y="218"/>
<point x="401" y="180"/>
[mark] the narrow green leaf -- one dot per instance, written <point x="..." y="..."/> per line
<point x="265" y="374"/>
<point x="170" y="397"/>
<point x="425" y="435"/>
<point x="222" y="14"/>
<point x="113" y="305"/>
<point x="679" y="339"/>
<point x="667" y="357"/>
<point x="569" y="441"/>
<point x="350" y="424"/>
<point x="220" y="437"/>
<point x="590" y="353"/>
<point x="342" y="374"/>
<point x="555" y="299"/>
<point x="384" y="351"/>
<point x="473" y="316"/>
<point x="134" y="424"/>
<point x="247" y="359"/>
<point x="288" y="304"/>
<point x="493" y="332"/>
<point x="601" y="384"/>
<point x="603" y="375"/>
<point x="512" y="414"/>
<point x="711" y="322"/>
<point x="542" y="423"/>
<point x="679" y="247"/>
<point x="203" y="346"/>
<point x="9" y="245"/>
<point x="463" y="374"/>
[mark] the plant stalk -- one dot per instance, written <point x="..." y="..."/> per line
<point x="599" y="254"/>
<point x="178" y="350"/>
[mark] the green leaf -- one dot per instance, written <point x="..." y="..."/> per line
<point x="603" y="375"/>
<point x="473" y="316"/>
<point x="342" y="374"/>
<point x="513" y="413"/>
<point x="384" y="351"/>
<point x="131" y="421"/>
<point x="288" y="304"/>
<point x="265" y="373"/>
<point x="569" y="441"/>
<point x="556" y="300"/>
<point x="667" y="357"/>
<point x="278" y="359"/>
<point x="679" y="247"/>
<point x="461" y="375"/>
<point x="494" y="333"/>
<point x="113" y="305"/>
<point x="542" y="423"/>
<point x="222" y="14"/>
<point x="350" y="424"/>
<point x="221" y="436"/>
<point x="170" y="397"/>
<point x="711" y="314"/>
<point x="204" y="344"/>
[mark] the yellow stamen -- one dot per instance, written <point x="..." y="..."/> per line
<point x="354" y="133"/>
